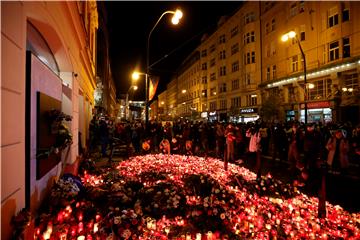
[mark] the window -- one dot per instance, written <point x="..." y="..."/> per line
<point x="322" y="89"/>
<point x="247" y="79"/>
<point x="333" y="51"/>
<point x="249" y="17"/>
<point x="295" y="63"/>
<point x="249" y="37"/>
<point x="274" y="71"/>
<point x="236" y="102"/>
<point x="222" y="55"/>
<point x="204" y="93"/>
<point x="302" y="33"/>
<point x="222" y="87"/>
<point x="346" y="47"/>
<point x="212" y="76"/>
<point x="212" y="62"/>
<point x="291" y="94"/>
<point x="235" y="84"/>
<point x="222" y="71"/>
<point x="333" y="19"/>
<point x="213" y="92"/>
<point x="345" y="15"/>
<point x="273" y="24"/>
<point x="247" y="58"/>
<point x="301" y="6"/>
<point x="213" y="106"/>
<point x="204" y="79"/>
<point x="293" y="10"/>
<point x="267" y="28"/>
<point x="223" y="104"/>
<point x="203" y="53"/>
<point x="222" y="39"/>
<point x="234" y="48"/>
<point x="351" y="81"/>
<point x="234" y="31"/>
<point x="204" y="66"/>
<point x="235" y="66"/>
<point x="272" y="46"/>
<point x="252" y="57"/>
<point x="212" y="48"/>
<point x="268" y="73"/>
<point x="251" y="100"/>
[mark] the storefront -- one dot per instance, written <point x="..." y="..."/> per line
<point x="213" y="116"/>
<point x="290" y="115"/>
<point x="316" y="112"/>
<point x="204" y="116"/>
<point x="248" y="115"/>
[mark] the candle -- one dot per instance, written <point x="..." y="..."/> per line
<point x="188" y="236"/>
<point x="96" y="227"/>
<point x="198" y="236"/>
<point x="82" y="237"/>
<point x="46" y="235"/>
<point x="209" y="235"/>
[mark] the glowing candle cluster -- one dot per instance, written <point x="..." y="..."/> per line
<point x="187" y="197"/>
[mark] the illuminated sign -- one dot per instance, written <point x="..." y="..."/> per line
<point x="248" y="110"/>
<point x="212" y="113"/>
<point x="204" y="114"/>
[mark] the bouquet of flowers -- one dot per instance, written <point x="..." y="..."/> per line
<point x="64" y="191"/>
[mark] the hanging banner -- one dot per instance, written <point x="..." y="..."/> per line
<point x="154" y="81"/>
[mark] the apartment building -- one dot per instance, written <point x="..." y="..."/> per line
<point x="247" y="71"/>
<point x="328" y="34"/>
<point x="171" y="98"/>
<point x="48" y="62"/>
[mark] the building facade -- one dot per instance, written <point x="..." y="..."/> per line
<point x="48" y="59"/>
<point x="243" y="70"/>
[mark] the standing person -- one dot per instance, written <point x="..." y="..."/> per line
<point x="104" y="136"/>
<point x="219" y="140"/>
<point x="255" y="148"/>
<point x="280" y="143"/>
<point x="338" y="148"/>
<point x="312" y="156"/>
<point x="230" y="141"/>
<point x="265" y="138"/>
<point x="295" y="143"/>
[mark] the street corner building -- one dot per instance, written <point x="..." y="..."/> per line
<point x="48" y="63"/>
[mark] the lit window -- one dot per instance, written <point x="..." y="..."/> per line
<point x="333" y="51"/>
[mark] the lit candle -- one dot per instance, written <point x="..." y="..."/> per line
<point x="46" y="235"/>
<point x="96" y="227"/>
<point x="209" y="235"/>
<point x="188" y="236"/>
<point x="198" y="236"/>
<point x="82" y="237"/>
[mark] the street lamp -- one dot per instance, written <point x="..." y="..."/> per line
<point x="135" y="76"/>
<point x="127" y="100"/>
<point x="177" y="15"/>
<point x="284" y="38"/>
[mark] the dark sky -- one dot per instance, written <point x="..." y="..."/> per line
<point x="130" y="22"/>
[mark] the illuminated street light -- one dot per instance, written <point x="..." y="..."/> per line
<point x="177" y="15"/>
<point x="183" y="91"/>
<point x="285" y="38"/>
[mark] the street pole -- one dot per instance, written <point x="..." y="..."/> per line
<point x="305" y="82"/>
<point x="126" y="106"/>
<point x="146" y="100"/>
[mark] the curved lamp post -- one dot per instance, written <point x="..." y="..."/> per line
<point x="177" y="15"/>
<point x="284" y="38"/>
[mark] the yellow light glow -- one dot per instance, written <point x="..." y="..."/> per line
<point x="350" y="89"/>
<point x="344" y="89"/>
<point x="291" y="34"/>
<point x="311" y="85"/>
<point x="183" y="91"/>
<point x="135" y="76"/>
<point x="284" y="38"/>
<point x="178" y="14"/>
<point x="135" y="88"/>
<point x="175" y="20"/>
<point x="162" y="103"/>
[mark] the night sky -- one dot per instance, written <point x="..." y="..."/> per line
<point x="130" y="22"/>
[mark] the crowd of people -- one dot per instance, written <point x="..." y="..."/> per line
<point x="303" y="147"/>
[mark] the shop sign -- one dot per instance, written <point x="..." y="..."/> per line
<point x="324" y="104"/>
<point x="248" y="110"/>
<point x="212" y="113"/>
<point x="204" y="114"/>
